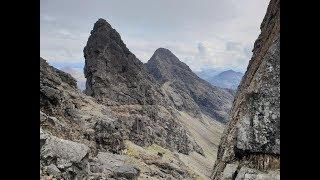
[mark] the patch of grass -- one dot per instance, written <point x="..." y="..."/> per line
<point x="131" y="150"/>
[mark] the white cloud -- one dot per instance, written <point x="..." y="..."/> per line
<point x="61" y="44"/>
<point x="221" y="55"/>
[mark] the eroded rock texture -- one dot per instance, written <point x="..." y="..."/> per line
<point x="252" y="137"/>
<point x="186" y="90"/>
<point x="127" y="124"/>
<point x="82" y="139"/>
<point x="116" y="78"/>
<point x="114" y="75"/>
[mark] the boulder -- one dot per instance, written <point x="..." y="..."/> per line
<point x="64" y="149"/>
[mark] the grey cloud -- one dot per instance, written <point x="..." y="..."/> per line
<point x="233" y="46"/>
<point x="47" y="18"/>
<point x="201" y="32"/>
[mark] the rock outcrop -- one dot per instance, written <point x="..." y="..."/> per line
<point x="82" y="139"/>
<point x="186" y="90"/>
<point x="250" y="147"/>
<point x="116" y="78"/>
<point x="126" y="113"/>
<point x="127" y="124"/>
<point x="114" y="75"/>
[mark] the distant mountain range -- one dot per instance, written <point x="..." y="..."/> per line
<point x="206" y="74"/>
<point x="225" y="79"/>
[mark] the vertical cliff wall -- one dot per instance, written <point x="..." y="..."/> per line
<point x="250" y="147"/>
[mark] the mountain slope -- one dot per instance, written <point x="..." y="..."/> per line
<point x="186" y="89"/>
<point x="116" y="78"/>
<point x="126" y="124"/>
<point x="82" y="139"/>
<point x="250" y="146"/>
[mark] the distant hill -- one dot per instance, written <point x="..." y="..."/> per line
<point x="207" y="74"/>
<point x="225" y="79"/>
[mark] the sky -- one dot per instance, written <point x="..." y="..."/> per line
<point x="205" y="34"/>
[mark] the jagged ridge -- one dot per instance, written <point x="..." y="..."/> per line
<point x="186" y="89"/>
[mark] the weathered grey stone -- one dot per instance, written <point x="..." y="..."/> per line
<point x="259" y="127"/>
<point x="64" y="149"/>
<point x="52" y="170"/>
<point x="67" y="78"/>
<point x="63" y="163"/>
<point x="246" y="173"/>
<point x="113" y="165"/>
<point x="127" y="171"/>
<point x="230" y="171"/>
<point x="109" y="159"/>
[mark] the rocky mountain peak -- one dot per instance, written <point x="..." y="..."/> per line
<point x="117" y="79"/>
<point x="103" y="37"/>
<point x="186" y="89"/>
<point x="101" y="24"/>
<point x="113" y="73"/>
<point x="163" y="50"/>
<point x="164" y="58"/>
<point x="166" y="54"/>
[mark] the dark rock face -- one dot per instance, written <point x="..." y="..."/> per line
<point x="252" y="137"/>
<point x="50" y="95"/>
<point x="165" y="66"/>
<point x="114" y="75"/>
<point x="186" y="90"/>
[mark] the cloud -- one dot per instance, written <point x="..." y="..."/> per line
<point x="47" y="18"/>
<point x="221" y="55"/>
<point x="233" y="46"/>
<point x="201" y="33"/>
<point x="60" y="44"/>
